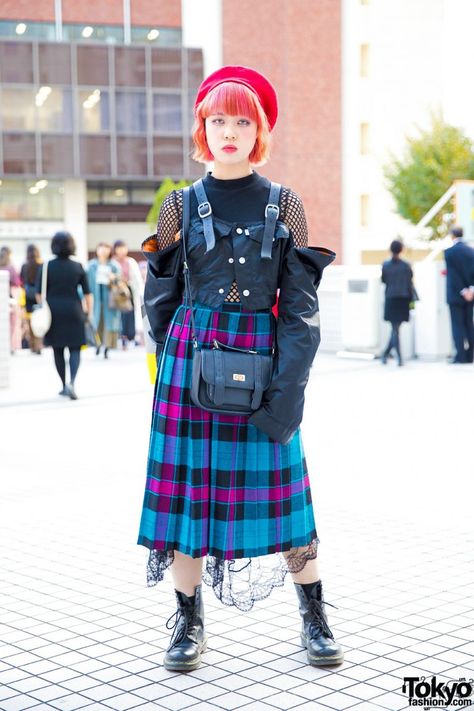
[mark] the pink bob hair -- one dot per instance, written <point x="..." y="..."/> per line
<point x="236" y="100"/>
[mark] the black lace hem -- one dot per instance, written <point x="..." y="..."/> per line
<point x="240" y="583"/>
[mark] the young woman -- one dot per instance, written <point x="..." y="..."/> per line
<point x="234" y="489"/>
<point x="14" y="290"/>
<point x="63" y="279"/>
<point x="106" y="320"/>
<point x="28" y="278"/>
<point x="397" y="275"/>
<point x="131" y="320"/>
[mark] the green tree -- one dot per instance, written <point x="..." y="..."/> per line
<point x="431" y="162"/>
<point x="166" y="187"/>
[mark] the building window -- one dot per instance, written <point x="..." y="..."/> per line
<point x="31" y="200"/>
<point x="195" y="68"/>
<point x="364" y="139"/>
<point x="131" y="155"/>
<point x="167" y="116"/>
<point x="16" y="62"/>
<point x="168" y="157"/>
<point x="115" y="196"/>
<point x="94" y="114"/>
<point x="95" y="155"/>
<point x="364" y="210"/>
<point x="166" y="68"/>
<point x="18" y="110"/>
<point x="24" y="30"/>
<point x="19" y="155"/>
<point x="130" y="66"/>
<point x="54" y="63"/>
<point x="364" y="60"/>
<point x="82" y="32"/>
<point x="131" y="111"/>
<point x="57" y="155"/>
<point x="54" y="109"/>
<point x="92" y="65"/>
<point x="164" y="36"/>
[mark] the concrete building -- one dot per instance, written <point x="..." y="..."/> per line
<point x="402" y="60"/>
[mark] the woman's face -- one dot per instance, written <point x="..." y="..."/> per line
<point x="230" y="138"/>
<point x="121" y="252"/>
<point x="103" y="252"/>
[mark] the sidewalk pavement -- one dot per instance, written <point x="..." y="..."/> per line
<point x="390" y="452"/>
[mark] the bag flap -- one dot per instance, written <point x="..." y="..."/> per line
<point x="239" y="369"/>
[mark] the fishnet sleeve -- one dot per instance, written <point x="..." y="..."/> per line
<point x="292" y="214"/>
<point x="169" y="220"/>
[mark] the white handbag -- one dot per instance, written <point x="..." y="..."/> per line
<point x="41" y="315"/>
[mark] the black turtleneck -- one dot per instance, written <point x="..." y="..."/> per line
<point x="237" y="199"/>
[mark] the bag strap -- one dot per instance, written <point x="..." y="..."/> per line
<point x="187" y="284"/>
<point x="205" y="213"/>
<point x="272" y="212"/>
<point x="44" y="279"/>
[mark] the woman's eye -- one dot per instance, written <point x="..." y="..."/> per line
<point x="245" y="122"/>
<point x="217" y="121"/>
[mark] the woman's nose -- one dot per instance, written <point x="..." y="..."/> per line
<point x="229" y="131"/>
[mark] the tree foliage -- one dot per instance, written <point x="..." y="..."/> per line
<point x="431" y="162"/>
<point x="166" y="187"/>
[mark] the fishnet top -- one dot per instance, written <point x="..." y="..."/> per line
<point x="171" y="214"/>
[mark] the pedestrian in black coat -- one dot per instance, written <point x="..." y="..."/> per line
<point x="460" y="295"/>
<point x="64" y="276"/>
<point x="397" y="275"/>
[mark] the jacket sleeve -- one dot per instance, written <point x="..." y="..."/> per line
<point x="163" y="287"/>
<point x="297" y="340"/>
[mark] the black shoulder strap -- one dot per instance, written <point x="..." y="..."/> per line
<point x="272" y="212"/>
<point x="205" y="213"/>
<point x="186" y="212"/>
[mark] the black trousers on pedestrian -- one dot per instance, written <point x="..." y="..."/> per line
<point x="462" y="326"/>
<point x="394" y="340"/>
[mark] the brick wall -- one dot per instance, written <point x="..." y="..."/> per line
<point x="143" y="12"/>
<point x="297" y="45"/>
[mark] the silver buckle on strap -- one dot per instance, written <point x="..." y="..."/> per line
<point x="204" y="206"/>
<point x="271" y="206"/>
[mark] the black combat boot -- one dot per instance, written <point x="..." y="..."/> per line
<point x="188" y="640"/>
<point x="316" y="636"/>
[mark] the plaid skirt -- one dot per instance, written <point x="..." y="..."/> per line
<point x="217" y="487"/>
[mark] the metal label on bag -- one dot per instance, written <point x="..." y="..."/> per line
<point x="238" y="376"/>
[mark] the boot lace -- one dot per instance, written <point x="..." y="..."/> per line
<point x="180" y="632"/>
<point x="318" y="619"/>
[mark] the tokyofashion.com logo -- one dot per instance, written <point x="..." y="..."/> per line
<point x="431" y="692"/>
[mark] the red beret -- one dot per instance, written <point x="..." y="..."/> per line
<point x="255" y="81"/>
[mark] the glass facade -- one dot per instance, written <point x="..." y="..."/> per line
<point x="97" y="110"/>
<point x="31" y="200"/>
<point x="81" y="32"/>
<point x="167" y="113"/>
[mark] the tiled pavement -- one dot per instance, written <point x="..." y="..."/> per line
<point x="392" y="485"/>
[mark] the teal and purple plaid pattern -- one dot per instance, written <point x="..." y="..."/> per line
<point x="215" y="484"/>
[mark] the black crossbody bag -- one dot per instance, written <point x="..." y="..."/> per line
<point x="225" y="379"/>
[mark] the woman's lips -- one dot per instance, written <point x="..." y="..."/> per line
<point x="229" y="149"/>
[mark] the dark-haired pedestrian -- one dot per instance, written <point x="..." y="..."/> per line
<point x="28" y="273"/>
<point x="67" y="289"/>
<point x="397" y="275"/>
